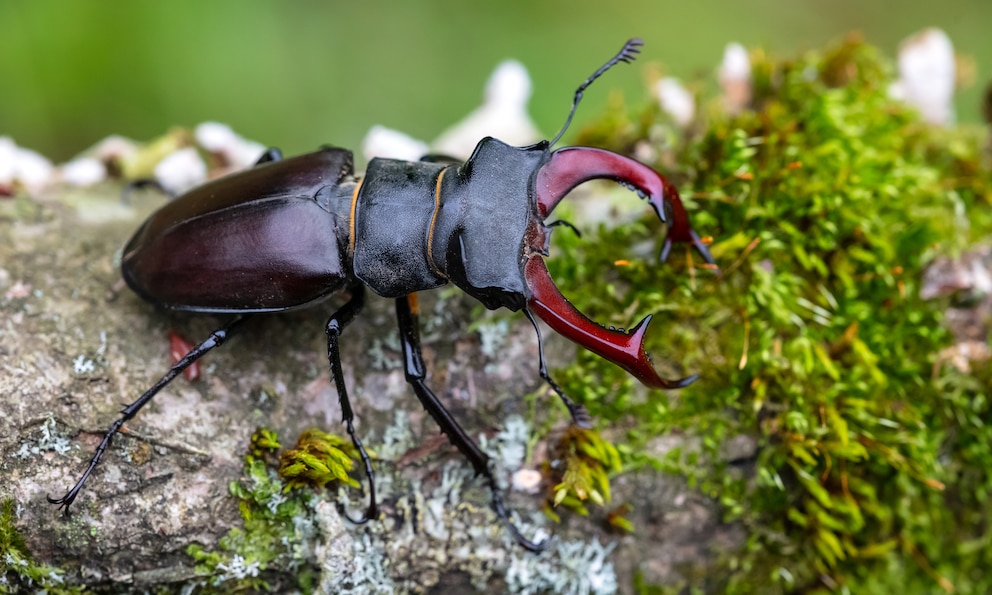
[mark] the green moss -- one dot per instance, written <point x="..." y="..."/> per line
<point x="825" y="203"/>
<point x="279" y="533"/>
<point x="318" y="459"/>
<point x="581" y="465"/>
<point x="18" y="571"/>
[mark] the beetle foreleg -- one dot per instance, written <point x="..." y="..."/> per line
<point x="416" y="371"/>
<point x="568" y="224"/>
<point x="335" y="324"/>
<point x="580" y="416"/>
<point x="216" y="339"/>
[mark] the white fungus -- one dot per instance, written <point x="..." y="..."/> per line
<point x="735" y="78"/>
<point x="927" y="75"/>
<point x="676" y="101"/>
<point x="503" y="114"/>
<point x="392" y="144"/>
<point x="181" y="170"/>
<point x="235" y="151"/>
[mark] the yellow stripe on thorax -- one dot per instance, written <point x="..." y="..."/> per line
<point x="430" y="231"/>
<point x="351" y="222"/>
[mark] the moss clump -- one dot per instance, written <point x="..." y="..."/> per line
<point x="279" y="533"/>
<point x="581" y="465"/>
<point x="318" y="459"/>
<point x="825" y="202"/>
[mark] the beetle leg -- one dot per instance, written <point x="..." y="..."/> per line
<point x="580" y="416"/>
<point x="335" y="324"/>
<point x="564" y="223"/>
<point x="416" y="371"/>
<point x="216" y="339"/>
<point x="144" y="184"/>
<point x="270" y="154"/>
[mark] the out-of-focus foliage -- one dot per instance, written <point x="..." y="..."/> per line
<point x="873" y="469"/>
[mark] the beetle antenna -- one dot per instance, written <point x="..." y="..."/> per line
<point x="628" y="53"/>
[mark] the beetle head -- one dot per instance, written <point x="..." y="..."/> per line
<point x="563" y="171"/>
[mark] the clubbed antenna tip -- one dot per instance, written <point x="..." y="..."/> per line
<point x="630" y="50"/>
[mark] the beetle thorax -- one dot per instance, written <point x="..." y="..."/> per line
<point x="419" y="225"/>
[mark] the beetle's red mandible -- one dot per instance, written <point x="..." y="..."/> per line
<point x="566" y="169"/>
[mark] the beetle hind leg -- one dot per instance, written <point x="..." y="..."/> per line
<point x="416" y="371"/>
<point x="335" y="324"/>
<point x="216" y="339"/>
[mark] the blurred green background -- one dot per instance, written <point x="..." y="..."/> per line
<point x="300" y="74"/>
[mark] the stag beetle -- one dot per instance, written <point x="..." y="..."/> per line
<point x="290" y="232"/>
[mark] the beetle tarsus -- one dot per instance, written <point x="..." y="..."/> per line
<point x="335" y="324"/>
<point x="216" y="339"/>
<point x="504" y="516"/>
<point x="580" y="415"/>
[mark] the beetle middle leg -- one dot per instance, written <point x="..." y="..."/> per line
<point x="335" y="324"/>
<point x="216" y="339"/>
<point x="413" y="361"/>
